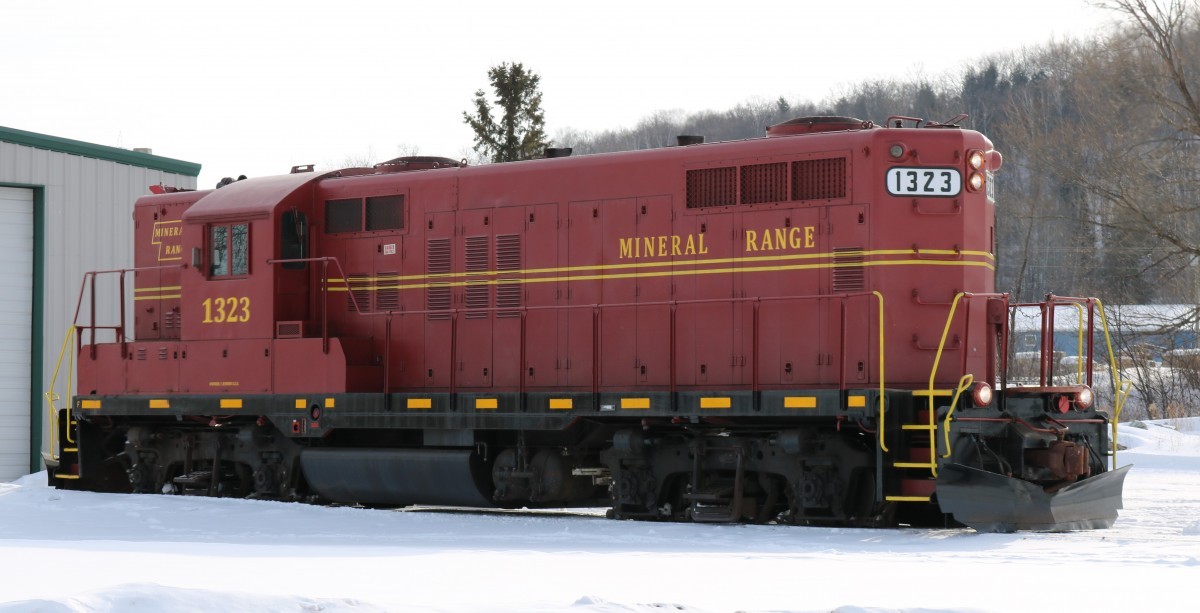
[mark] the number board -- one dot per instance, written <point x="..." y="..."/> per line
<point x="943" y="182"/>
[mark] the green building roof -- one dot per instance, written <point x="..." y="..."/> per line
<point x="100" y="152"/>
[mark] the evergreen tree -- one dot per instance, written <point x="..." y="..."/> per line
<point x="518" y="132"/>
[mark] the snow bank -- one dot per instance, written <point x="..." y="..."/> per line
<point x="151" y="598"/>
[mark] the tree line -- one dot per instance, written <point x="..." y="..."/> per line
<point x="1099" y="192"/>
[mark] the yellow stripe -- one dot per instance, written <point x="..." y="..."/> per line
<point x="162" y="297"/>
<point x="329" y="403"/>
<point x="165" y="288"/>
<point x="66" y="476"/>
<point x="301" y="403"/>
<point x="635" y="403"/>
<point x="160" y="404"/>
<point x="231" y="403"/>
<point x="907" y="498"/>
<point x="561" y="404"/>
<point x="799" y="402"/>
<point x="486" y="403"/>
<point x="715" y="403"/>
<point x="385" y="282"/>
<point x="856" y="402"/>
<point x="89" y="404"/>
<point x="369" y="282"/>
<point x="420" y="403"/>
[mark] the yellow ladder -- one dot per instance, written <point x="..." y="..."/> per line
<point x="931" y="395"/>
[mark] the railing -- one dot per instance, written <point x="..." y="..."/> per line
<point x="52" y="397"/>
<point x="1085" y="349"/>
<point x="89" y="280"/>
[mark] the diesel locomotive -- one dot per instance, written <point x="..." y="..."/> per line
<point x="797" y="328"/>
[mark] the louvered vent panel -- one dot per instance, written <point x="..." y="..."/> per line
<point x="387" y="294"/>
<point x="764" y="183"/>
<point x="849" y="275"/>
<point x="508" y="287"/>
<point x="477" y="295"/>
<point x="359" y="294"/>
<point x="437" y="262"/>
<point x="819" y="179"/>
<point x="711" y="187"/>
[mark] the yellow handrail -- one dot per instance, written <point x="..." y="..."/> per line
<point x="1078" y="349"/>
<point x="963" y="385"/>
<point x="51" y="397"/>
<point x="942" y="344"/>
<point x="1120" y="388"/>
<point x="882" y="404"/>
<point x="1118" y="406"/>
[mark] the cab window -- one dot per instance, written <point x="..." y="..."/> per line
<point x="229" y="248"/>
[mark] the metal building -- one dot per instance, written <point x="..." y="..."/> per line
<point x="65" y="209"/>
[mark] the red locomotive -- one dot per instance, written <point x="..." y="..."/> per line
<point x="801" y="327"/>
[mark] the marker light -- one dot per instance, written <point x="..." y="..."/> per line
<point x="982" y="395"/>
<point x="1084" y="398"/>
<point x="975" y="159"/>
<point x="896" y="151"/>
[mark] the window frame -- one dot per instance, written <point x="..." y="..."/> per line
<point x="229" y="251"/>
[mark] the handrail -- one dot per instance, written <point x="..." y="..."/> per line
<point x="882" y="403"/>
<point x="942" y="344"/>
<point x="1120" y="388"/>
<point x="1118" y="406"/>
<point x="51" y="397"/>
<point x="963" y="385"/>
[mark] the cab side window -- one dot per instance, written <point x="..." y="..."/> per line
<point x="229" y="250"/>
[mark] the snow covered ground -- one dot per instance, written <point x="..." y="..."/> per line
<point x="76" y="551"/>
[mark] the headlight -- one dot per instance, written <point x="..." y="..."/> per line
<point x="982" y="395"/>
<point x="896" y="151"/>
<point x="1084" y="398"/>
<point x="975" y="159"/>
<point x="975" y="182"/>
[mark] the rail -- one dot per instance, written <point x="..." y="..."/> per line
<point x="1084" y="350"/>
<point x="89" y="280"/>
<point x="52" y="397"/>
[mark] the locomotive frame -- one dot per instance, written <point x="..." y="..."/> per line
<point x="705" y="332"/>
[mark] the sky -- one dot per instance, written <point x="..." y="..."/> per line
<point x="256" y="87"/>
<point x="71" y="552"/>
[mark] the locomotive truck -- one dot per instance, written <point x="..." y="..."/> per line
<point x="798" y="328"/>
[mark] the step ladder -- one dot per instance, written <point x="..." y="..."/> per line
<point x="920" y="444"/>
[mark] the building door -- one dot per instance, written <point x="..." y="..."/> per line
<point x="16" y="312"/>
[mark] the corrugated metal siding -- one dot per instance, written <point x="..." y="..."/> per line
<point x="88" y="226"/>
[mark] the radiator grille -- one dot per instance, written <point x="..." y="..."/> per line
<point x="711" y="187"/>
<point x="764" y="183"/>
<point x="819" y="179"/>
